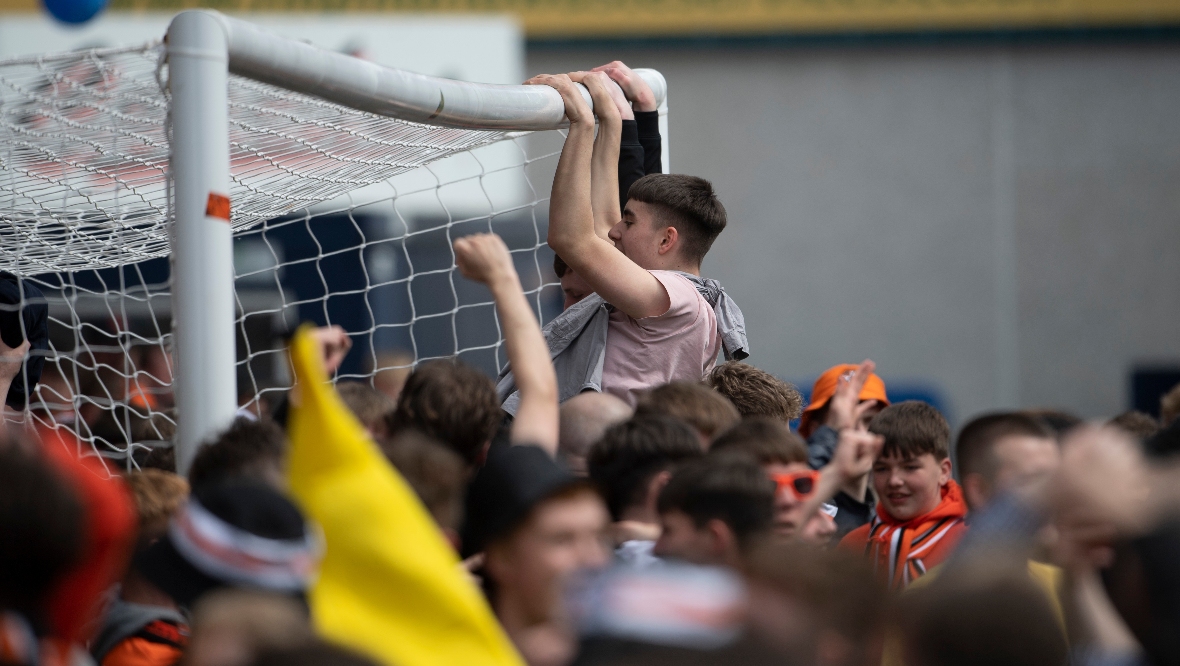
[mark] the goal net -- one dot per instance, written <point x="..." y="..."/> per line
<point x="339" y="216"/>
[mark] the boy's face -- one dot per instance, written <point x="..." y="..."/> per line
<point x="639" y="235"/>
<point x="681" y="539"/>
<point x="562" y="535"/>
<point x="573" y="288"/>
<point x="910" y="487"/>
<point x="788" y="516"/>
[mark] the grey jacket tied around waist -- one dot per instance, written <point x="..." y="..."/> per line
<point x="577" y="341"/>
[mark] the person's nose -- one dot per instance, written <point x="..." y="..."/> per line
<point x="616" y="233"/>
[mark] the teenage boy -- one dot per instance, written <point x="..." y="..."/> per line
<point x="715" y="509"/>
<point x="803" y="495"/>
<point x="631" y="464"/>
<point x="706" y="410"/>
<point x="920" y="514"/>
<point x="844" y="397"/>
<point x="664" y="322"/>
<point x="756" y="392"/>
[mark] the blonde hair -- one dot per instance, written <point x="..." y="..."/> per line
<point x="157" y="496"/>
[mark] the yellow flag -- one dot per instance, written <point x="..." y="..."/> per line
<point x="389" y="585"/>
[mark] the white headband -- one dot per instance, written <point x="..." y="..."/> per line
<point x="234" y="555"/>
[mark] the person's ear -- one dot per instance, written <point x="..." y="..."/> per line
<point x="657" y="483"/>
<point x="722" y="540"/>
<point x="944" y="471"/>
<point x="976" y="490"/>
<point x="668" y="239"/>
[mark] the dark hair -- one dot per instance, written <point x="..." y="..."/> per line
<point x="559" y="266"/>
<point x="433" y="470"/>
<point x="696" y="404"/>
<point x="630" y="453"/>
<point x="979" y="614"/>
<point x="1056" y="420"/>
<point x="731" y="488"/>
<point x="1170" y="406"/>
<point x="687" y="203"/>
<point x="451" y="402"/>
<point x="911" y="429"/>
<point x="247" y="449"/>
<point x="1139" y="425"/>
<point x="756" y="392"/>
<point x="975" y="448"/>
<point x="766" y="440"/>
<point x="836" y="588"/>
<point x="368" y="404"/>
<point x="42" y="521"/>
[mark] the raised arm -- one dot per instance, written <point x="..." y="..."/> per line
<point x="612" y="108"/>
<point x="484" y="258"/>
<point x="572" y="235"/>
<point x="647" y="118"/>
<point x="850" y="466"/>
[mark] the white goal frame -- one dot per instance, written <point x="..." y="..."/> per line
<point x="203" y="48"/>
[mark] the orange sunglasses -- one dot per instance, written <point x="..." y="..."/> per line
<point x="801" y="484"/>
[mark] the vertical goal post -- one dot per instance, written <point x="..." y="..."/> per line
<point x="203" y="49"/>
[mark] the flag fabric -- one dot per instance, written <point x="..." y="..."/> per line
<point x="389" y="585"/>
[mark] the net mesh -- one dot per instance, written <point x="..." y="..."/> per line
<point x="340" y="217"/>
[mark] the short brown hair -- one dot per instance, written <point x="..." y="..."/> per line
<point x="631" y="453"/>
<point x="836" y="588"/>
<point x="975" y="448"/>
<point x="251" y="449"/>
<point x="984" y="611"/>
<point x="687" y="203"/>
<point x="451" y="402"/>
<point x="433" y="470"/>
<point x="157" y="496"/>
<point x="696" y="404"/>
<point x="1170" y="406"/>
<point x="729" y="487"/>
<point x="368" y="404"/>
<point x="911" y="429"/>
<point x="767" y="440"/>
<point x="1138" y="424"/>
<point x="756" y="392"/>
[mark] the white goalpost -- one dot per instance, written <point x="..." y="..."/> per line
<point x="280" y="182"/>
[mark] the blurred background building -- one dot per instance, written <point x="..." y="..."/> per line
<point x="982" y="197"/>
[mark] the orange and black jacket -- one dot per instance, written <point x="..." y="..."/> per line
<point x="901" y="552"/>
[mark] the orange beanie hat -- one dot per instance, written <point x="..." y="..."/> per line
<point x="825" y="388"/>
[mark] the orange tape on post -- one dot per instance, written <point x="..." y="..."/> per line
<point x="217" y="206"/>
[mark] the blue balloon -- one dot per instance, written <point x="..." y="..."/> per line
<point x="74" y="11"/>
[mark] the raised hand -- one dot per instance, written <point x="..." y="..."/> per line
<point x="601" y="88"/>
<point x="855" y="453"/>
<point x="484" y="258"/>
<point x="576" y="109"/>
<point x="633" y="85"/>
<point x="334" y="344"/>
<point x="845" y="409"/>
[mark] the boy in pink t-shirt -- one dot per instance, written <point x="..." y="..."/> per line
<point x="644" y="260"/>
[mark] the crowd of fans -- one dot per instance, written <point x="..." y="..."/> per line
<point x="617" y="497"/>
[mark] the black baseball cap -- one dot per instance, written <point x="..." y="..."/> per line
<point x="513" y="481"/>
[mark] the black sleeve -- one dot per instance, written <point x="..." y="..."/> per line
<point x="631" y="158"/>
<point x="648" y="124"/>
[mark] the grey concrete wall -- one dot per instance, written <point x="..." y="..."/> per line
<point x="1000" y="222"/>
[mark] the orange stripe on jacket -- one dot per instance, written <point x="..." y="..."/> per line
<point x="901" y="552"/>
